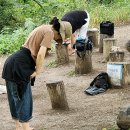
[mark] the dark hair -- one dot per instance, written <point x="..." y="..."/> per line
<point x="55" y="23"/>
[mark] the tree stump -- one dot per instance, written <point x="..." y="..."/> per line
<point x="93" y="36"/>
<point x="62" y="54"/>
<point x="83" y="66"/>
<point x="119" y="73"/>
<point x="117" y="56"/>
<point x="103" y="36"/>
<point x="57" y="95"/>
<point x="128" y="46"/>
<point x="107" y="45"/>
<point x="123" y="118"/>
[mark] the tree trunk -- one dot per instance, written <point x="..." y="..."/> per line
<point x="83" y="66"/>
<point x="57" y="95"/>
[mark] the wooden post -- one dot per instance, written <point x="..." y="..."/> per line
<point x="93" y="36"/>
<point x="83" y="66"/>
<point x="62" y="54"/>
<point x="57" y="95"/>
<point x="103" y="36"/>
<point x="117" y="56"/>
<point x="107" y="45"/>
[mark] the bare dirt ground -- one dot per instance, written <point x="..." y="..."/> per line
<point x="86" y="112"/>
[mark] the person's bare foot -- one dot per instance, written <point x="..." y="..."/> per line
<point x="18" y="125"/>
<point x="26" y="126"/>
<point x="23" y="126"/>
<point x="19" y="128"/>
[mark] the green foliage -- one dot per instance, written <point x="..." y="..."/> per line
<point x="29" y="25"/>
<point x="118" y="12"/>
<point x="10" y="43"/>
<point x="19" y="17"/>
<point x="71" y="73"/>
<point x="5" y="15"/>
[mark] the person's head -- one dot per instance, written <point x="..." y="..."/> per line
<point x="61" y="29"/>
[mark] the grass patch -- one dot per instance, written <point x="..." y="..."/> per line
<point x="117" y="12"/>
<point x="113" y="127"/>
<point x="71" y="73"/>
<point x="52" y="64"/>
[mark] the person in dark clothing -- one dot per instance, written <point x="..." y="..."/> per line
<point x="21" y="68"/>
<point x="79" y="21"/>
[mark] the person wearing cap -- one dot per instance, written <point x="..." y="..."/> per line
<point x="21" y="68"/>
<point x="79" y="21"/>
<point x="64" y="28"/>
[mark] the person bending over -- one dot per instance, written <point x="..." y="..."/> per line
<point x="21" y="68"/>
<point x="79" y="21"/>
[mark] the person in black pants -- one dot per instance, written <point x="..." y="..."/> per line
<point x="21" y="68"/>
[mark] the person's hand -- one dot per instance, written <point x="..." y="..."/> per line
<point x="33" y="74"/>
<point x="70" y="50"/>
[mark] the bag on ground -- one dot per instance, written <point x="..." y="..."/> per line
<point x="100" y="84"/>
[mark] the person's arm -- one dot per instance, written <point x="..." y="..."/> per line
<point x="72" y="40"/>
<point x="39" y="60"/>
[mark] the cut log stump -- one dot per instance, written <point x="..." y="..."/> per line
<point x="119" y="73"/>
<point x="117" y="56"/>
<point x="62" y="54"/>
<point x="107" y="45"/>
<point x="93" y="36"/>
<point x="128" y="46"/>
<point x="57" y="95"/>
<point x="103" y="36"/>
<point x="123" y="118"/>
<point x="83" y="65"/>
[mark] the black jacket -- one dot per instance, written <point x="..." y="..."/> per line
<point x="19" y="66"/>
